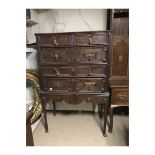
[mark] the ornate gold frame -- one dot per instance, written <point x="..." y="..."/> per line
<point x="33" y="81"/>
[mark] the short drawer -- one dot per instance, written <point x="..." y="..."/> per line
<point x="75" y="71"/>
<point x="57" y="71"/>
<point x="92" y="70"/>
<point x="98" y="85"/>
<point x="120" y="96"/>
<point x="54" y="55"/>
<point x="56" y="84"/>
<point x="91" y="55"/>
<point x="90" y="39"/>
<point x="89" y="98"/>
<point x="54" y="40"/>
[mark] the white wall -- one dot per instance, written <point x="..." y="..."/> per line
<point x="67" y="20"/>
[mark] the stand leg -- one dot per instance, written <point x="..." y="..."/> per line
<point x="100" y="109"/>
<point x="105" y="120"/>
<point x="111" y="119"/>
<point x="94" y="106"/>
<point x="43" y="102"/>
<point x="54" y="108"/>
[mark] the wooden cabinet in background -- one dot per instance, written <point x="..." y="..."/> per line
<point x="118" y="23"/>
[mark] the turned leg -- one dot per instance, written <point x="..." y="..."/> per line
<point x="111" y="119"/>
<point x="54" y="108"/>
<point x="43" y="102"/>
<point x="94" y="106"/>
<point x="105" y="119"/>
<point x="100" y="109"/>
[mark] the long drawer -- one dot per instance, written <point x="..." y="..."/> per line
<point x="97" y="85"/>
<point x="74" y="98"/>
<point x="75" y="71"/>
<point x="78" y="55"/>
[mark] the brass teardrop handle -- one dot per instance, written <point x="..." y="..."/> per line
<point x="55" y="42"/>
<point x="102" y="89"/>
<point x="57" y="72"/>
<point x="89" y="72"/>
<point x="90" y="41"/>
<point x="56" y="57"/>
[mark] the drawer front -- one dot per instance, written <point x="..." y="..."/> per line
<point x="92" y="71"/>
<point x="54" y="55"/>
<point x="78" y="98"/>
<point x="57" y="71"/>
<point x="55" y="40"/>
<point x="90" y="39"/>
<point x="78" y="71"/>
<point x="56" y="85"/>
<point x="91" y="85"/>
<point x="91" y="55"/>
<point x="89" y="98"/>
<point x="120" y="96"/>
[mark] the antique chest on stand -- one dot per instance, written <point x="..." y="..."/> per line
<point x="74" y="67"/>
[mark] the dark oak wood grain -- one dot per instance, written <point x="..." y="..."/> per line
<point x="74" y="67"/>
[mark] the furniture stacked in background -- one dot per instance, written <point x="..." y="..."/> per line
<point x="118" y="23"/>
<point x="33" y="99"/>
<point x="74" y="67"/>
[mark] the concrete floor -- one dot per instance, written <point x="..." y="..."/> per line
<point x="81" y="129"/>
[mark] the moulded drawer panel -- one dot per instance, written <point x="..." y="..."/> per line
<point x="56" y="84"/>
<point x="56" y="71"/>
<point x="55" y="40"/>
<point x="55" y="55"/>
<point x="91" y="55"/>
<point x="92" y="71"/>
<point x="91" y="85"/>
<point x="120" y="96"/>
<point x="90" y="39"/>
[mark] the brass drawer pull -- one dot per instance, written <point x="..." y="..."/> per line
<point x="58" y="84"/>
<point x="56" y="57"/>
<point x="89" y="72"/>
<point x="55" y="42"/>
<point x="89" y="84"/>
<point x="90" y="41"/>
<point x="102" y="89"/>
<point x="57" y="72"/>
<point x="122" y="97"/>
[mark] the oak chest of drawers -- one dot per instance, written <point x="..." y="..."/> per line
<point x="74" y="67"/>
